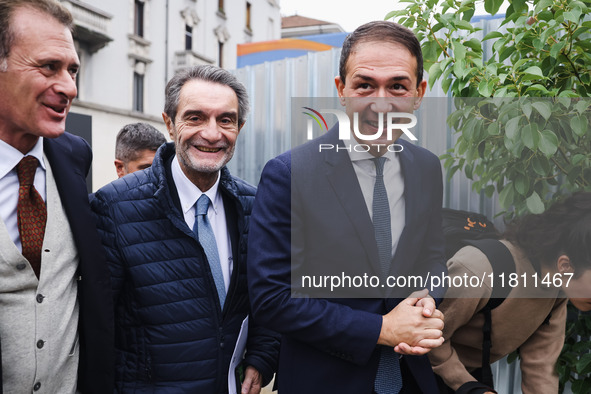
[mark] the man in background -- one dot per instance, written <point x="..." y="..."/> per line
<point x="135" y="147"/>
<point x="56" y="313"/>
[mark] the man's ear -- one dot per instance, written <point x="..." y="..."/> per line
<point x="421" y="89"/>
<point x="169" y="125"/>
<point x="120" y="168"/>
<point x="563" y="265"/>
<point x="340" y="87"/>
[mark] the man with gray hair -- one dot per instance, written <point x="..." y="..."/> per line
<point x="135" y="147"/>
<point x="175" y="236"/>
<point x="56" y="314"/>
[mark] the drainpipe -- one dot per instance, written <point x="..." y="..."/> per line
<point x="166" y="46"/>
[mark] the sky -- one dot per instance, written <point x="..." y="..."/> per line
<point x="346" y="13"/>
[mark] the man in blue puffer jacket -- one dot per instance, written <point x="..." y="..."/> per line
<point x="175" y="236"/>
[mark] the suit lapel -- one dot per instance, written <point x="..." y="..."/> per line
<point x="71" y="188"/>
<point x="411" y="190"/>
<point x="342" y="178"/>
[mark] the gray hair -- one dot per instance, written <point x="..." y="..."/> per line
<point x="205" y="73"/>
<point x="135" y="137"/>
<point x="7" y="8"/>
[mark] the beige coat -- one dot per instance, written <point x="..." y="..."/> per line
<point x="517" y="323"/>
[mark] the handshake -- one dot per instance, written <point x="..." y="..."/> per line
<point x="414" y="326"/>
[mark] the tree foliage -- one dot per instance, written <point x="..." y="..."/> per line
<point x="527" y="135"/>
<point x="522" y="112"/>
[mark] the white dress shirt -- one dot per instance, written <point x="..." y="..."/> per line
<point x="188" y="195"/>
<point x="9" y="158"/>
<point x="366" y="175"/>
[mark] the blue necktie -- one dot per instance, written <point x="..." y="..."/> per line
<point x="207" y="240"/>
<point x="388" y="378"/>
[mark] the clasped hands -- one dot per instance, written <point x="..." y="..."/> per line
<point x="414" y="326"/>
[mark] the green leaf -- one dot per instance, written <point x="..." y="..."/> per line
<point x="393" y="14"/>
<point x="581" y="387"/>
<point x="505" y="53"/>
<point x="538" y="88"/>
<point x="534" y="203"/>
<point x="494" y="129"/>
<point x="435" y="72"/>
<point x="541" y="165"/>
<point x="474" y="44"/>
<point x="526" y="108"/>
<point x="583" y="366"/>
<point x="522" y="184"/>
<point x="502" y="92"/>
<point x="460" y="68"/>
<point x="542" y="4"/>
<point x="548" y="143"/>
<point x="530" y="136"/>
<point x="492" y="6"/>
<point x="581" y="106"/>
<point x="534" y="72"/>
<point x="462" y="24"/>
<point x="492" y="34"/>
<point x="507" y="196"/>
<point x="577" y="158"/>
<point x="484" y="88"/>
<point x="544" y="108"/>
<point x="556" y="48"/>
<point x="459" y="50"/>
<point x="538" y="44"/>
<point x="579" y="125"/>
<point x="572" y="15"/>
<point x="512" y="127"/>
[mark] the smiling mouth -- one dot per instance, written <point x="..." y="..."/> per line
<point x="375" y="124"/>
<point x="60" y="109"/>
<point x="208" y="150"/>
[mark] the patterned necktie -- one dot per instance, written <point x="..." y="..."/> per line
<point x="381" y="217"/>
<point x="388" y="378"/>
<point x="207" y="239"/>
<point x="31" y="212"/>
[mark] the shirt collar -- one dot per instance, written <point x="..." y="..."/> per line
<point x="362" y="155"/>
<point x="12" y="156"/>
<point x="189" y="193"/>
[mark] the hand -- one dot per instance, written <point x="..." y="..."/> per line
<point x="428" y="304"/>
<point x="252" y="381"/>
<point x="408" y="330"/>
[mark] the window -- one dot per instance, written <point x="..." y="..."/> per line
<point x="188" y="37"/>
<point x="138" y="92"/>
<point x="248" y="6"/>
<point x="138" y="23"/>
<point x="220" y="53"/>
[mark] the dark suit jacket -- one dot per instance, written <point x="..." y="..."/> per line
<point x="70" y="158"/>
<point x="329" y="345"/>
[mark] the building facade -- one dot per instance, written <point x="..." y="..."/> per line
<point x="129" y="49"/>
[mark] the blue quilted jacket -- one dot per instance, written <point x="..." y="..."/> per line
<point x="171" y="335"/>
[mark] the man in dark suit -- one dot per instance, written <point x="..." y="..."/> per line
<point x="55" y="306"/>
<point x="359" y="209"/>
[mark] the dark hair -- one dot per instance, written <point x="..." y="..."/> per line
<point x="8" y="7"/>
<point x="564" y="228"/>
<point x="379" y="32"/>
<point x="135" y="137"/>
<point x="206" y="73"/>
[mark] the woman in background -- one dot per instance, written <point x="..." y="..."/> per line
<point x="552" y="256"/>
